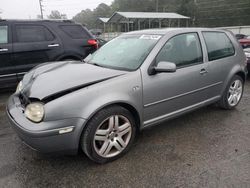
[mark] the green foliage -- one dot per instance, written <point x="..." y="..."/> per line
<point x="55" y="14"/>
<point x="208" y="13"/>
<point x="223" y="13"/>
<point x="89" y="17"/>
<point x="134" y="6"/>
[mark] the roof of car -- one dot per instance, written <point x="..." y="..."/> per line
<point x="36" y="20"/>
<point x="166" y="30"/>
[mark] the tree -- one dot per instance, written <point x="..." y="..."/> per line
<point x="85" y="17"/>
<point x="89" y="17"/>
<point x="55" y="14"/>
<point x="188" y="8"/>
<point x="136" y="6"/>
<point x="102" y="10"/>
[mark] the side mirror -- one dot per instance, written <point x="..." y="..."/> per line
<point x="162" y="67"/>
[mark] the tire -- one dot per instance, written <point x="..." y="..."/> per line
<point x="232" y="94"/>
<point x="109" y="134"/>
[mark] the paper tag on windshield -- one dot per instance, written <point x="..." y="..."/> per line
<point x="150" y="37"/>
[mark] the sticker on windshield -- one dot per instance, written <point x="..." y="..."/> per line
<point x="150" y="37"/>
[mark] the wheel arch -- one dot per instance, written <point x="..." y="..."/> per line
<point x="242" y="75"/>
<point x="135" y="113"/>
<point x="236" y="70"/>
<point x="70" y="56"/>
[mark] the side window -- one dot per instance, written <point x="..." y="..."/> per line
<point x="183" y="50"/>
<point x="32" y="33"/>
<point x="218" y="45"/>
<point x="75" y="31"/>
<point x="3" y="34"/>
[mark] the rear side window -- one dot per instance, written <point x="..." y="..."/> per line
<point x="32" y="33"/>
<point x="75" y="31"/>
<point x="3" y="34"/>
<point x="218" y="45"/>
<point x="183" y="50"/>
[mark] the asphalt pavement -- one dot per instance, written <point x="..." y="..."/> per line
<point x="206" y="148"/>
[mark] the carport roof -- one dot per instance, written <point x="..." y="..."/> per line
<point x="117" y="16"/>
<point x="104" y="20"/>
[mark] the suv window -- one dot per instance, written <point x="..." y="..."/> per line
<point x="183" y="50"/>
<point x="75" y="31"/>
<point x="218" y="45"/>
<point x="3" y="34"/>
<point x="32" y="33"/>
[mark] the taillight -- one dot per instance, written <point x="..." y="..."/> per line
<point x="93" y="42"/>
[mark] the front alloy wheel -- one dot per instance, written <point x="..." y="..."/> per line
<point x="109" y="134"/>
<point x="112" y="136"/>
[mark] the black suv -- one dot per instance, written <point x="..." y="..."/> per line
<point x="25" y="44"/>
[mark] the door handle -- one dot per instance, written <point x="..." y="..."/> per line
<point x="203" y="71"/>
<point x="53" y="45"/>
<point x="4" y="50"/>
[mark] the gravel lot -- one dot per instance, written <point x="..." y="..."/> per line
<point x="207" y="148"/>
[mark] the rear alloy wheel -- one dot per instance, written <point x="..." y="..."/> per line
<point x="233" y="93"/>
<point x="109" y="134"/>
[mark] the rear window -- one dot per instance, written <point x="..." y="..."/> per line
<point x="75" y="31"/>
<point x="32" y="33"/>
<point x="3" y="34"/>
<point x="218" y="45"/>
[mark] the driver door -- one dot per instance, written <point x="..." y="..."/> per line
<point x="167" y="94"/>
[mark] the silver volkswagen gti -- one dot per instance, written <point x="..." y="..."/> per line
<point x="135" y="81"/>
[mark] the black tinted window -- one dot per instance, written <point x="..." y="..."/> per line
<point x="218" y="45"/>
<point x="3" y="34"/>
<point x="75" y="31"/>
<point x="183" y="50"/>
<point x="33" y="33"/>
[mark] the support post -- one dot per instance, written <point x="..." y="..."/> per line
<point x="41" y="8"/>
<point x="157" y="6"/>
<point x="128" y="25"/>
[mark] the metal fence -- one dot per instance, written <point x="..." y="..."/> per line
<point x="109" y="36"/>
<point x="238" y="29"/>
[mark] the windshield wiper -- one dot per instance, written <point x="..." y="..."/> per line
<point x="96" y="64"/>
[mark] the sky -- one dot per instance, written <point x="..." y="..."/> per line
<point x="29" y="9"/>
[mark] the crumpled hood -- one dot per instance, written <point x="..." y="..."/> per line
<point x="58" y="77"/>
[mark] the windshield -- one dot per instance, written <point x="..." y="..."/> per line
<point x="126" y="52"/>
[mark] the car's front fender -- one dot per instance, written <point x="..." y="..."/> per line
<point x="84" y="103"/>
